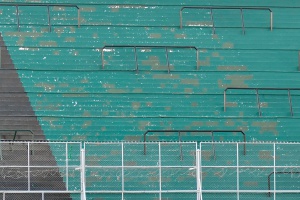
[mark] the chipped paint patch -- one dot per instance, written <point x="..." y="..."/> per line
<point x="266" y="127"/>
<point x="87" y="9"/>
<point x="194" y="82"/>
<point x="70" y="39"/>
<point x="205" y="62"/>
<point x="48" y="43"/>
<point x="155" y="35"/>
<point x="265" y="155"/>
<point x="136" y="105"/>
<point x="137" y="90"/>
<point x="86" y="124"/>
<point x="117" y="91"/>
<point x="188" y="91"/>
<point x="194" y="104"/>
<point x="215" y="54"/>
<point x="180" y="36"/>
<point x="165" y="76"/>
<point x="231" y="104"/>
<point x="107" y="85"/>
<point x="46" y="86"/>
<point x="199" y="23"/>
<point x="227" y="45"/>
<point x="232" y="68"/>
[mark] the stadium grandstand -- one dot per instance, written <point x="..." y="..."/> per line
<point x="154" y="100"/>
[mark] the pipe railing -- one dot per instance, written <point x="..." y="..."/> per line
<point x="269" y="178"/>
<point x="227" y="8"/>
<point x="135" y="47"/>
<point x="195" y="131"/>
<point x="41" y="5"/>
<point x="258" y="99"/>
<point x="14" y="138"/>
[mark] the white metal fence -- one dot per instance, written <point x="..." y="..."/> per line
<point x="161" y="170"/>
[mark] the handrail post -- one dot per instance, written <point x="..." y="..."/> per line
<point x="290" y="101"/>
<point x="212" y="19"/>
<point x="136" y="61"/>
<point x="180" y="147"/>
<point x="225" y="100"/>
<point x="49" y="22"/>
<point x="145" y="142"/>
<point x="244" y="135"/>
<point x="197" y="59"/>
<point x="258" y="102"/>
<point x="168" y="62"/>
<point x="102" y="56"/>
<point x="18" y="18"/>
<point x="78" y="14"/>
<point x="180" y="18"/>
<point x="213" y="144"/>
<point x="298" y="60"/>
<point x="271" y="20"/>
<point x="242" y="17"/>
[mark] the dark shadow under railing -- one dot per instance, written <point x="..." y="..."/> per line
<point x="258" y="99"/>
<point x="226" y="8"/>
<point x="194" y="131"/>
<point x="17" y="5"/>
<point x="146" y="46"/>
<point x="269" y="179"/>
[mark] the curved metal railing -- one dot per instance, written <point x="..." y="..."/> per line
<point x="227" y="8"/>
<point x="17" y="5"/>
<point x="135" y="47"/>
<point x="258" y="99"/>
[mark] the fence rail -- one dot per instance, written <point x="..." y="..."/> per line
<point x="227" y="8"/>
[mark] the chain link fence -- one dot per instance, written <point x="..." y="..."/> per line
<point x="263" y="171"/>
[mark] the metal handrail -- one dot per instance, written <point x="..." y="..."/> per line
<point x="16" y="131"/>
<point x="257" y="96"/>
<point x="149" y="46"/>
<point x="269" y="178"/>
<point x="195" y="131"/>
<point x="17" y="5"/>
<point x="14" y="138"/>
<point x="227" y="8"/>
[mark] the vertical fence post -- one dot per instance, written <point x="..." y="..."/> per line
<point x="82" y="166"/>
<point x="28" y="165"/>
<point x="200" y="170"/>
<point x="237" y="172"/>
<point x="67" y="167"/>
<point x="159" y="165"/>
<point x="123" y="187"/>
<point x="274" y="157"/>
<point x="271" y="20"/>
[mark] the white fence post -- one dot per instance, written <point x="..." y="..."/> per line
<point x="82" y="166"/>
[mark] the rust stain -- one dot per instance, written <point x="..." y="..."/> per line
<point x="229" y="122"/>
<point x="204" y="63"/>
<point x="107" y="85"/>
<point x="194" y="104"/>
<point x="86" y="113"/>
<point x="59" y="8"/>
<point x="215" y="54"/>
<point x="168" y="108"/>
<point x="266" y="127"/>
<point x="56" y="52"/>
<point x="188" y="91"/>
<point x="231" y="104"/>
<point x="137" y="90"/>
